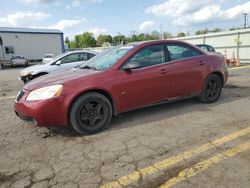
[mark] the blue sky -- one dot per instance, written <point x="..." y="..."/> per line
<point x="123" y="16"/>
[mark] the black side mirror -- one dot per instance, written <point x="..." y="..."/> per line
<point x="131" y="65"/>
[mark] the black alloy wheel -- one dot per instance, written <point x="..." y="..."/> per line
<point x="90" y="113"/>
<point x="212" y="89"/>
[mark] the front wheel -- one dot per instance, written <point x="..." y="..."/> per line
<point x="90" y="113"/>
<point x="212" y="89"/>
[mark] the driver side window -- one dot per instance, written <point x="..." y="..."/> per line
<point x="149" y="56"/>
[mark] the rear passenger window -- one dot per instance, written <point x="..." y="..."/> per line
<point x="83" y="57"/>
<point x="177" y="52"/>
<point x="90" y="55"/>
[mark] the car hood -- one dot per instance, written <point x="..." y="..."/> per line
<point x="61" y="77"/>
<point x="35" y="68"/>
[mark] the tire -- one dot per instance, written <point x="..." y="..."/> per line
<point x="212" y="89"/>
<point x="90" y="113"/>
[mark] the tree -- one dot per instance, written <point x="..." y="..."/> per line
<point x="119" y="39"/>
<point x="200" y="32"/>
<point x="181" y="34"/>
<point x="167" y="35"/>
<point x="72" y="44"/>
<point x="85" y="40"/>
<point x="103" y="38"/>
<point x="155" y="35"/>
<point x="67" y="41"/>
<point x="217" y="30"/>
<point x="141" y="37"/>
<point x="134" y="38"/>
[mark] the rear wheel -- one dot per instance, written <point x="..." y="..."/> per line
<point x="212" y="89"/>
<point x="90" y="113"/>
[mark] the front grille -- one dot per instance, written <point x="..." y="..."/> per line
<point x="19" y="95"/>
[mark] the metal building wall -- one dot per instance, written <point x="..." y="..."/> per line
<point x="32" y="45"/>
<point x="237" y="42"/>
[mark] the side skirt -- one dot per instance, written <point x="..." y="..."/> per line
<point x="162" y="102"/>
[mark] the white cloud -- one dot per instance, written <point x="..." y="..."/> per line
<point x="236" y="11"/>
<point x="67" y="7"/>
<point x="22" y="19"/>
<point x="212" y="13"/>
<point x="146" y="24"/>
<point x="94" y="1"/>
<point x="76" y="3"/>
<point x="176" y="7"/>
<point x="39" y="1"/>
<point x="67" y="23"/>
<point x="186" y="12"/>
<point x="204" y="15"/>
<point x="97" y="31"/>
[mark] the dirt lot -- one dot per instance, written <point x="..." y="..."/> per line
<point x="38" y="157"/>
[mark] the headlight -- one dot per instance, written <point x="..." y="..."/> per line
<point x="45" y="93"/>
<point x="26" y="73"/>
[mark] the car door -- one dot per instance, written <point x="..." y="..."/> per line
<point x="143" y="86"/>
<point x="183" y="70"/>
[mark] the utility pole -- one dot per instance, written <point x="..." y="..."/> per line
<point x="245" y="20"/>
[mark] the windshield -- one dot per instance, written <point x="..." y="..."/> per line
<point x="107" y="58"/>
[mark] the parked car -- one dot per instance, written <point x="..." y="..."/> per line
<point x="64" y="61"/>
<point x="18" y="60"/>
<point x="121" y="79"/>
<point x="206" y="47"/>
<point x="47" y="58"/>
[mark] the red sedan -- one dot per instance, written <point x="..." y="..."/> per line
<point x="121" y="79"/>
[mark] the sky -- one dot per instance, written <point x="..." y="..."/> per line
<point x="123" y="16"/>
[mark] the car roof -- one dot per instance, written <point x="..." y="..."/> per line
<point x="78" y="51"/>
<point x="152" y="42"/>
<point x="203" y="45"/>
<point x="156" y="42"/>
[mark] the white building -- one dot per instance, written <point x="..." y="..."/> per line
<point x="30" y="43"/>
<point x="236" y="41"/>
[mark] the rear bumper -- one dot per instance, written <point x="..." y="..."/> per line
<point x="44" y="113"/>
<point x="13" y="63"/>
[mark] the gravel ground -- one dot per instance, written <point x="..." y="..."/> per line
<point x="38" y="157"/>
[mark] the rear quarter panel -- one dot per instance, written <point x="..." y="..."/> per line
<point x="215" y="63"/>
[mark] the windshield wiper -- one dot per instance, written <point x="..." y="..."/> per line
<point x="88" y="67"/>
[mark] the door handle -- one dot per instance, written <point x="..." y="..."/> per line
<point x="164" y="72"/>
<point x="201" y="63"/>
